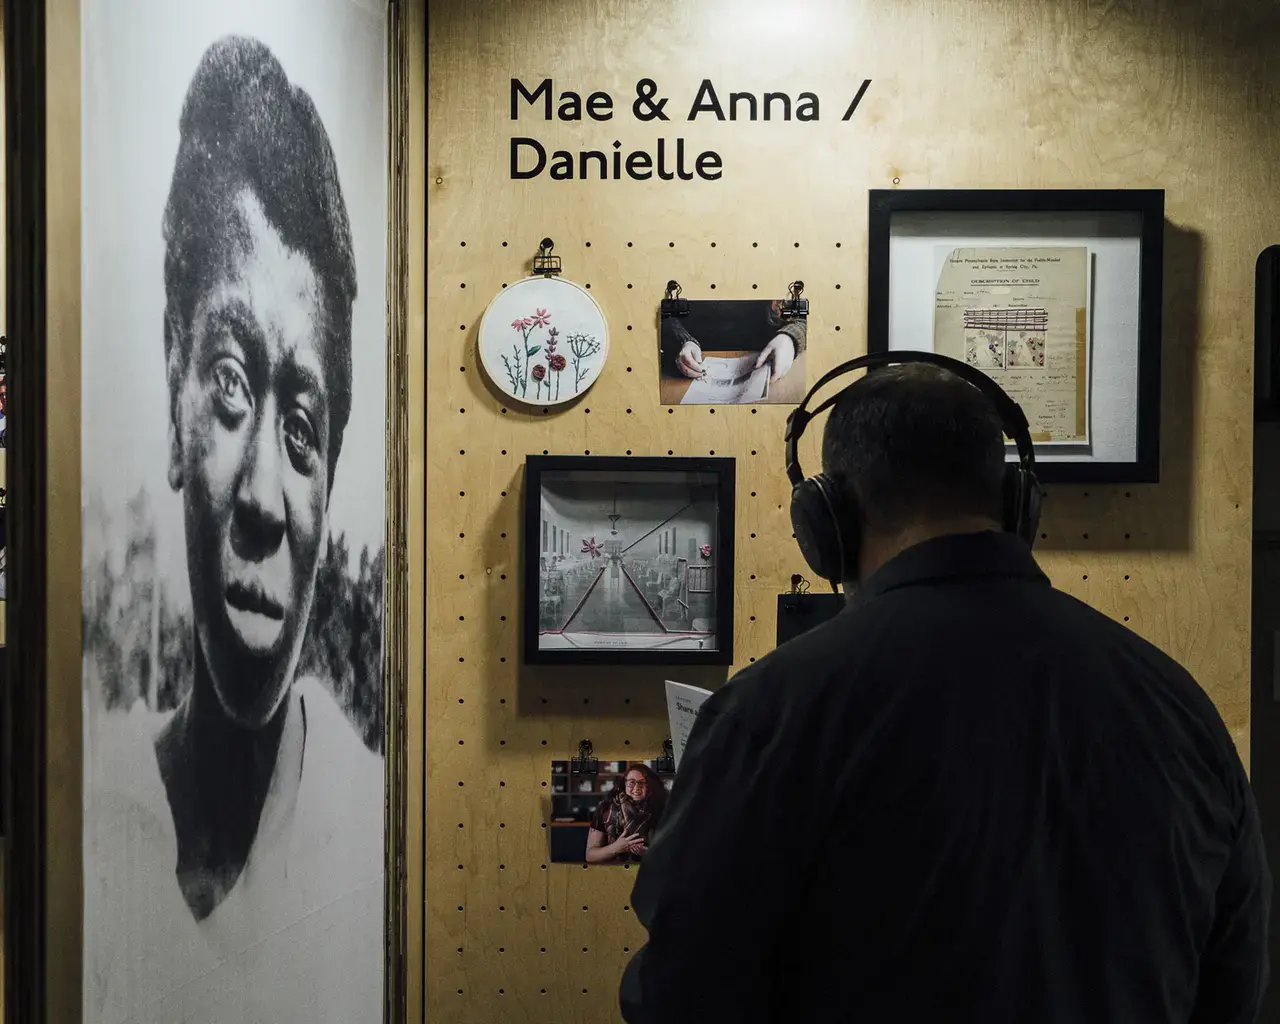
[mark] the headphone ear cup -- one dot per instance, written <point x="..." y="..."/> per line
<point x="1032" y="504"/>
<point x="1022" y="497"/>
<point x="816" y="522"/>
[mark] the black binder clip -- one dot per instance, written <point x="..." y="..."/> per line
<point x="544" y="263"/>
<point x="799" y="585"/>
<point x="585" y="763"/>
<point x="795" y="308"/>
<point x="672" y="304"/>
<point x="666" y="764"/>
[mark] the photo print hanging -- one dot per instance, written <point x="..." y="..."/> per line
<point x="543" y="341"/>
<point x="732" y="351"/>
<point x="234" y="325"/>
<point x="628" y="560"/>
<point x="606" y="812"/>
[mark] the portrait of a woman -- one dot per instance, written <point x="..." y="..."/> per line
<point x="234" y="849"/>
<point x="623" y="823"/>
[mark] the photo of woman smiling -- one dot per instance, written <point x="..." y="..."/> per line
<point x="233" y="564"/>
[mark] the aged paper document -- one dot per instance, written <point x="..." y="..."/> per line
<point x="729" y="380"/>
<point x="1020" y="314"/>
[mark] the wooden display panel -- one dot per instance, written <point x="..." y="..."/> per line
<point x="963" y="95"/>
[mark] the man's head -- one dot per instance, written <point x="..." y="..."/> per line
<point x="259" y="283"/>
<point x="919" y="452"/>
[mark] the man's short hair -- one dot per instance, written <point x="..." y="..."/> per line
<point x="244" y="126"/>
<point x="914" y="443"/>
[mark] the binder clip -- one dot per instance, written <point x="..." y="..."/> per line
<point x="666" y="764"/>
<point x="585" y="763"/>
<point x="795" y="308"/>
<point x="672" y="304"/>
<point x="544" y="263"/>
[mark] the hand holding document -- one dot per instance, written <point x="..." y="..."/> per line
<point x="683" y="702"/>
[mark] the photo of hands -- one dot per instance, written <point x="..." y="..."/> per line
<point x="732" y="352"/>
<point x="608" y="817"/>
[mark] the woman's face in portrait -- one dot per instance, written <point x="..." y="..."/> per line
<point x="637" y="786"/>
<point x="250" y="449"/>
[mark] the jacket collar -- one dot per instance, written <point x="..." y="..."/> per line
<point x="955" y="557"/>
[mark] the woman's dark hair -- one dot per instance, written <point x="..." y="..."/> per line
<point x="245" y="126"/>
<point x="914" y="442"/>
<point x="655" y="793"/>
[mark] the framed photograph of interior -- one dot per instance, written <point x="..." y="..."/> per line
<point x="1054" y="293"/>
<point x="628" y="560"/>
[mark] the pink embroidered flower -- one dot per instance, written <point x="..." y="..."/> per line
<point x="590" y="547"/>
<point x="557" y="362"/>
<point x="538" y="372"/>
<point x="540" y="318"/>
<point x="522" y="323"/>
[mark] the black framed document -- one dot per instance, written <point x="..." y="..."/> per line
<point x="628" y="560"/>
<point x="1055" y="294"/>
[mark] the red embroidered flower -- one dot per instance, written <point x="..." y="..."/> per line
<point x="538" y="372"/>
<point x="540" y="318"/>
<point x="557" y="362"/>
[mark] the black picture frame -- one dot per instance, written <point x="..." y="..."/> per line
<point x="1147" y="204"/>
<point x="538" y="467"/>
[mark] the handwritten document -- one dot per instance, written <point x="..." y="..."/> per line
<point x="683" y="702"/>
<point x="1020" y="314"/>
<point x="728" y="381"/>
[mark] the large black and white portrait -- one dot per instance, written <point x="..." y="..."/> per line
<point x="234" y="240"/>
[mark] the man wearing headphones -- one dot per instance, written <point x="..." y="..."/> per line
<point x="969" y="797"/>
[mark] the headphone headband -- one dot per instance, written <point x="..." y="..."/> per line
<point x="1012" y="418"/>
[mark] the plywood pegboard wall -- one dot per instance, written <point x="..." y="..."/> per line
<point x="1139" y="95"/>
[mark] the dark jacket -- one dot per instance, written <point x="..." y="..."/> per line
<point x="968" y="798"/>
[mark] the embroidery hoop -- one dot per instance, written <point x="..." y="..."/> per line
<point x="497" y="338"/>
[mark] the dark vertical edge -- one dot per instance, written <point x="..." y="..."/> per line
<point x="528" y="557"/>
<point x="878" y="216"/>
<point x="24" y="697"/>
<point x="1150" y="337"/>
<point x="725" y="558"/>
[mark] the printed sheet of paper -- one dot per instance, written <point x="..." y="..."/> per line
<point x="1021" y="314"/>
<point x="683" y="702"/>
<point x="728" y="381"/>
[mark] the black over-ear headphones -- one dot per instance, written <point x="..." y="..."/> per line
<point x="828" y="530"/>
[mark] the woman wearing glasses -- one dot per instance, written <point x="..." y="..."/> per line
<point x="622" y="824"/>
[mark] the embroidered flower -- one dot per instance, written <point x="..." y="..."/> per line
<point x="557" y="362"/>
<point x="540" y="318"/>
<point x="538" y="372"/>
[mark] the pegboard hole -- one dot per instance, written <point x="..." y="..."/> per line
<point x="713" y="245"/>
<point x="755" y="286"/>
<point x="628" y="245"/>
<point x="1084" y="536"/>
<point x="753" y="494"/>
<point x="462" y="285"/>
<point x="711" y="452"/>
<point x="671" y="451"/>
<point x="837" y="287"/>
<point x="628" y="328"/>
<point x="588" y="244"/>
<point x="837" y="327"/>
<point x="753" y="618"/>
<point x="462" y="451"/>
<point x="797" y="244"/>
<point x="753" y="536"/>
<point x="628" y="451"/>
<point x="1126" y="618"/>
<point x="628" y="412"/>
<point x="1126" y="575"/>
<point x="713" y="287"/>
<point x="671" y="245"/>
<point x="504" y="245"/>
<point x="504" y="451"/>
<point x="630" y="285"/>
<point x="463" y="244"/>
<point x="1085" y="576"/>
<point x="462" y="327"/>
<point x="588" y="285"/>
<point x="755" y="245"/>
